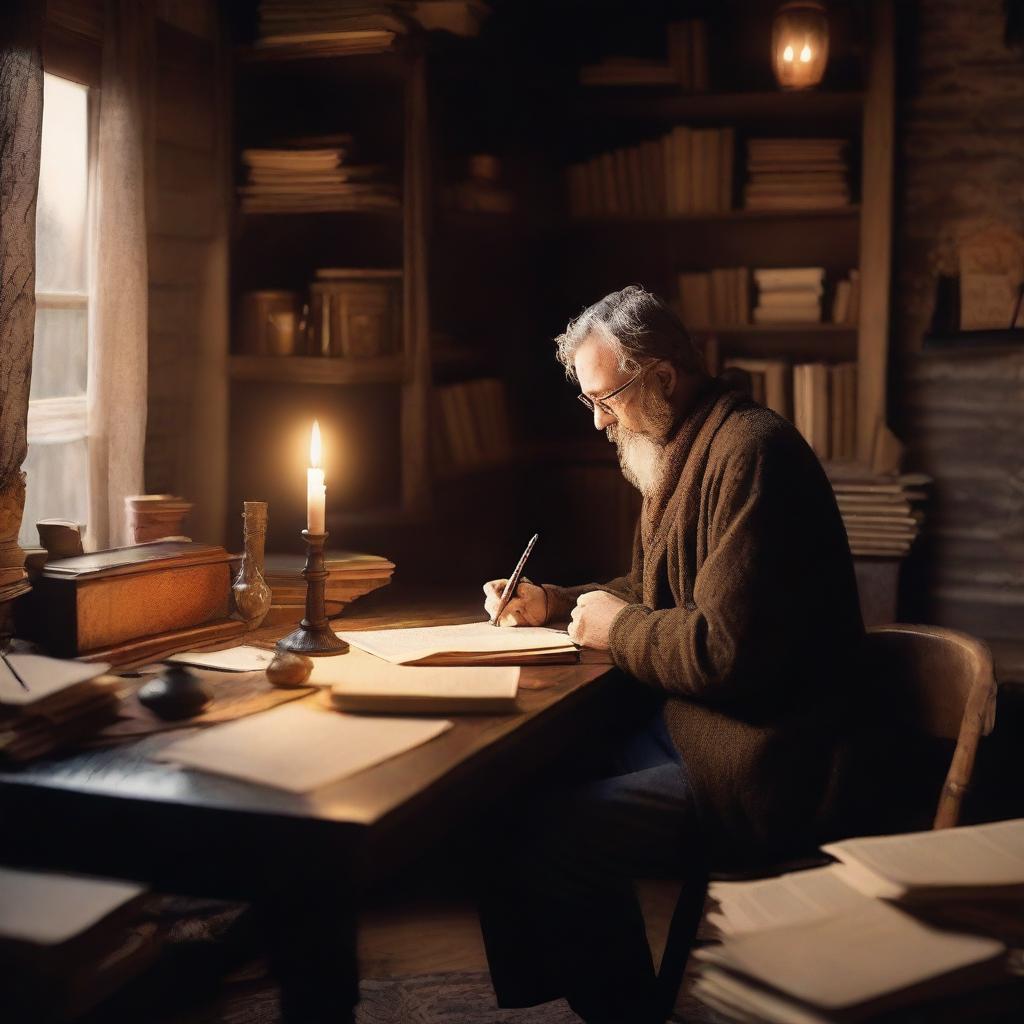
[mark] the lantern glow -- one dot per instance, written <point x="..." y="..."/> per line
<point x="799" y="44"/>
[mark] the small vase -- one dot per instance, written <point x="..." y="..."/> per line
<point x="252" y="595"/>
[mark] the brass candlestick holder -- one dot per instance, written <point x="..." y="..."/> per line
<point x="314" y="635"/>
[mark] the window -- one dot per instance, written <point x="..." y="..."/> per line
<point x="57" y="466"/>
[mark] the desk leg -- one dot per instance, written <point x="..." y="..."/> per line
<point x="310" y="924"/>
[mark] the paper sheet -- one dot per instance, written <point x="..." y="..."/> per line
<point x="796" y="898"/>
<point x="840" y="961"/>
<point x="48" y="909"/>
<point x="299" y="748"/>
<point x="401" y="646"/>
<point x="970" y="857"/>
<point x="43" y="676"/>
<point x="234" y="659"/>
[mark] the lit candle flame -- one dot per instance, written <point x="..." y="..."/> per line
<point x="787" y="54"/>
<point x="805" y="54"/>
<point x="314" y="445"/>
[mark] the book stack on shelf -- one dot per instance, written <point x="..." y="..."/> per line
<point x="720" y="297"/>
<point x="351" y="576"/>
<point x="911" y="919"/>
<point x="789" y="295"/>
<point x="825" y="408"/>
<point x="846" y="301"/>
<point x="881" y="514"/>
<point x="796" y="174"/>
<point x="688" y="171"/>
<point x="474" y="421"/>
<point x="348" y="26"/>
<point x="304" y="179"/>
<point x="687" y="64"/>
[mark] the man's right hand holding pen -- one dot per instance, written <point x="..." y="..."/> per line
<point x="529" y="606"/>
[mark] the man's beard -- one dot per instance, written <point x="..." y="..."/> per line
<point x="641" y="452"/>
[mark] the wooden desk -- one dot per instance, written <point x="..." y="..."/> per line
<point x="114" y="812"/>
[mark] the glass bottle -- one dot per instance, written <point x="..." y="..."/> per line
<point x="252" y="595"/>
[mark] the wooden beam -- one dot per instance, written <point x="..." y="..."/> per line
<point x="876" y="226"/>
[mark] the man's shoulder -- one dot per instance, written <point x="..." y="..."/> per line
<point x="752" y="432"/>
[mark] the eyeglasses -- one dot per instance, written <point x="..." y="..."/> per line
<point x="601" y="403"/>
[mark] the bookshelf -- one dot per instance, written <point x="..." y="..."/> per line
<point x="373" y="408"/>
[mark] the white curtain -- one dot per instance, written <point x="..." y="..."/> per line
<point x="118" y="312"/>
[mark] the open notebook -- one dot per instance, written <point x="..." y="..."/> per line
<point x="474" y="643"/>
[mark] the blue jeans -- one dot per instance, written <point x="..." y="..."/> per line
<point x="559" y="912"/>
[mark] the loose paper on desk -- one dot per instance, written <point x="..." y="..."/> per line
<point x="48" y="909"/>
<point x="43" y="677"/>
<point x="234" y="659"/>
<point x="299" y="748"/>
<point x="467" y="643"/>
<point x="360" y="682"/>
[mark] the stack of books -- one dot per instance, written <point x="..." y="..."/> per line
<point x="298" y="179"/>
<point x="900" y="921"/>
<point x="882" y="514"/>
<point x="627" y="71"/>
<point x="474" y="430"/>
<point x="825" y="408"/>
<point x="351" y="576"/>
<point x="789" y="295"/>
<point x="689" y="171"/>
<point x="335" y="26"/>
<point x="796" y="174"/>
<point x="688" y="54"/>
<point x="47" y="703"/>
<point x="720" y="297"/>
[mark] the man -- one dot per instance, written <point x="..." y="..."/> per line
<point x="740" y="611"/>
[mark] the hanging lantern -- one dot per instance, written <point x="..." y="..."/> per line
<point x="799" y="44"/>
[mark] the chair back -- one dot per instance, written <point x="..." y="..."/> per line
<point x="950" y="683"/>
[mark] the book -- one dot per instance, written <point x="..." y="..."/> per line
<point x="475" y="643"/>
<point x="364" y="683"/>
<point x="969" y="862"/>
<point x="775" y="374"/>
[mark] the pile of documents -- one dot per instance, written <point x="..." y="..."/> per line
<point x="823" y="945"/>
<point x="351" y="576"/>
<point x="789" y="295"/>
<point x="55" y="703"/>
<point x="796" y="174"/>
<point x="297" y="179"/>
<point x="349" y="26"/>
<point x="882" y="514"/>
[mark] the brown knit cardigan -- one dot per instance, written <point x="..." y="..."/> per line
<point x="743" y="609"/>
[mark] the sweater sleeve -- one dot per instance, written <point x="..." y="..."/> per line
<point x="743" y="596"/>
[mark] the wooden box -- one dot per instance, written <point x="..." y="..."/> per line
<point x="97" y="601"/>
<point x="356" y="313"/>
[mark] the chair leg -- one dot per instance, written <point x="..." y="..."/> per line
<point x="682" y="934"/>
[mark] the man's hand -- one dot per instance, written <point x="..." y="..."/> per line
<point x="529" y="607"/>
<point x="592" y="618"/>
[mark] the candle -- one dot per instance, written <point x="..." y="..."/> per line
<point x="316" y="491"/>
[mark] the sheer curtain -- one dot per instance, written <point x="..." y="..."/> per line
<point x="118" y="313"/>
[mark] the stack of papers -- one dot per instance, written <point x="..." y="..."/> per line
<point x="298" y="748"/>
<point x="63" y="701"/>
<point x="821" y="945"/>
<point x="475" y="643"/>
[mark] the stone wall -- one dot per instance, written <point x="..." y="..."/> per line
<point x="960" y="167"/>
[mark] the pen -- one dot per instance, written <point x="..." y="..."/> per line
<point x="13" y="671"/>
<point x="513" y="581"/>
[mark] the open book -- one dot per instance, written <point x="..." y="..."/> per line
<point x="475" y="643"/>
<point x="968" y="862"/>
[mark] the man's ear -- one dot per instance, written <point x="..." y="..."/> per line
<point x="667" y="377"/>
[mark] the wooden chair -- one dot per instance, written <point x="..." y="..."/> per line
<point x="947" y="690"/>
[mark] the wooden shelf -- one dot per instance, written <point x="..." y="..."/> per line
<point x="724" y="217"/>
<point x="690" y="107"/>
<point x="318" y="370"/>
<point x="797" y="328"/>
<point x="326" y="49"/>
<point x="391" y="212"/>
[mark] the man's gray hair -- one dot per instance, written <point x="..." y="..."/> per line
<point x="639" y="326"/>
